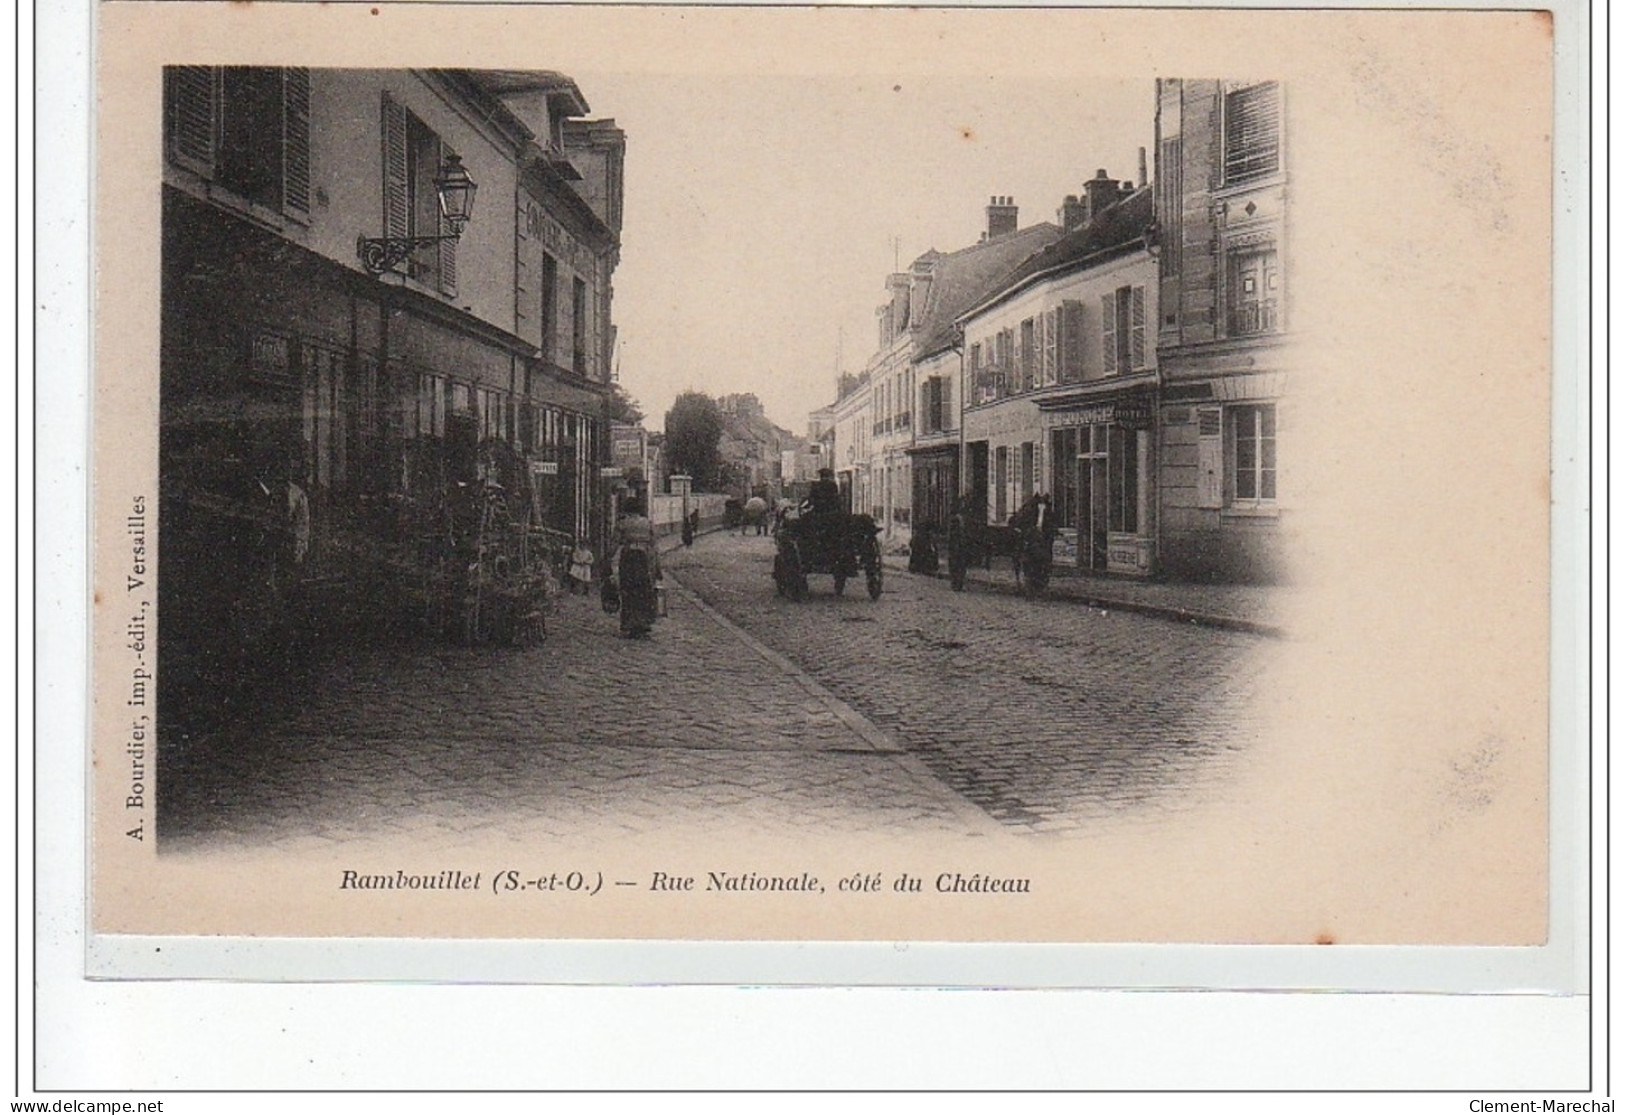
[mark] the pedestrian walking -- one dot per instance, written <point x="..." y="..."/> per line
<point x="637" y="570"/>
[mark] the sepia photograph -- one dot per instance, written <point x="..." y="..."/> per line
<point x="714" y="475"/>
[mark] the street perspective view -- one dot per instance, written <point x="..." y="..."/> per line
<point x="400" y="474"/>
<point x="720" y="504"/>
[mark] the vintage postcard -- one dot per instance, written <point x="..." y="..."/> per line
<point x="821" y="474"/>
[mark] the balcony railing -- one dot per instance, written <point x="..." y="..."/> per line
<point x="1253" y="317"/>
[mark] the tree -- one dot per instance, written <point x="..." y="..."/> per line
<point x="693" y="437"/>
<point x="621" y="407"/>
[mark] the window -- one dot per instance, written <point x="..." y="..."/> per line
<point x="1069" y="352"/>
<point x="1254" y="293"/>
<point x="578" y="327"/>
<point x="1122" y="330"/>
<point x="244" y="128"/>
<point x="413" y="155"/>
<point x="1049" y="344"/>
<point x="1252" y="435"/>
<point x="1029" y="356"/>
<point x="1252" y="132"/>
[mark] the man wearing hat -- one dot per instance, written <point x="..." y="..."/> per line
<point x="824" y="497"/>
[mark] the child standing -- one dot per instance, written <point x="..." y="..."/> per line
<point x="581" y="569"/>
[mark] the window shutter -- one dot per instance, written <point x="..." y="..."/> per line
<point x="296" y="140"/>
<point x="396" y="196"/>
<point x="1137" y="328"/>
<point x="194" y="115"/>
<point x="1108" y="334"/>
<point x="1071" y="342"/>
<point x="1209" y="457"/>
<point x="1051" y="339"/>
<point x="448" y="248"/>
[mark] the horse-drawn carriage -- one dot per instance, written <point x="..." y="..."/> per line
<point x="1028" y="540"/>
<point x="834" y="543"/>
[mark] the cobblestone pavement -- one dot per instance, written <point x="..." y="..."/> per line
<point x="1050" y="715"/>
<point x="585" y="736"/>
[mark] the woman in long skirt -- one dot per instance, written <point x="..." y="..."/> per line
<point x="637" y="565"/>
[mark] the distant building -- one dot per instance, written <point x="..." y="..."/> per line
<point x="1221" y="201"/>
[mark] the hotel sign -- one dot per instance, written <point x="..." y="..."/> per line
<point x="1133" y="413"/>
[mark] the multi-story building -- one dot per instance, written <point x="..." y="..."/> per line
<point x="903" y="467"/>
<point x="329" y="329"/>
<point x="850" y="435"/>
<point x="1221" y="201"/>
<point x="1060" y="383"/>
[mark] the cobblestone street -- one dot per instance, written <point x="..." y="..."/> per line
<point x="926" y="712"/>
<point x="1048" y="714"/>
<point x="585" y="736"/>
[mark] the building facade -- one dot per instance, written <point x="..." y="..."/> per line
<point x="1060" y="384"/>
<point x="291" y="363"/>
<point x="1221" y="200"/>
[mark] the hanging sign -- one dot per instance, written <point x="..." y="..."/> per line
<point x="544" y="468"/>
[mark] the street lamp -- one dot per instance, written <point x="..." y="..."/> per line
<point x="454" y="190"/>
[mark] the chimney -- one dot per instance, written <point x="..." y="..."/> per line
<point x="1142" y="167"/>
<point x="1001" y="216"/>
<point x="1073" y="212"/>
<point x="1099" y="192"/>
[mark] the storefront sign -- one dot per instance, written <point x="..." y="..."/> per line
<point x="1135" y="414"/>
<point x="270" y="356"/>
<point x="610" y="473"/>
<point x="544" y="468"/>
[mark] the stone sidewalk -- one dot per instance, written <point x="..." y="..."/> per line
<point x="1260" y="609"/>
<point x="587" y="736"/>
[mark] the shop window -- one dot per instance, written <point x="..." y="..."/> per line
<point x="431" y="406"/>
<point x="1252" y="132"/>
<point x="327" y="416"/>
<point x="1001" y="483"/>
<point x="244" y="128"/>
<point x="1254" y="292"/>
<point x="1064" y="475"/>
<point x="413" y="155"/>
<point x="1252" y="454"/>
<point x="1122" y="462"/>
<point x="1122" y="330"/>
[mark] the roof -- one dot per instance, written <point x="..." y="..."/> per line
<point x="550" y="82"/>
<point x="961" y="279"/>
<point x="1115" y="231"/>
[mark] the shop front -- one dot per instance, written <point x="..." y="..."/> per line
<point x="1101" y="481"/>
